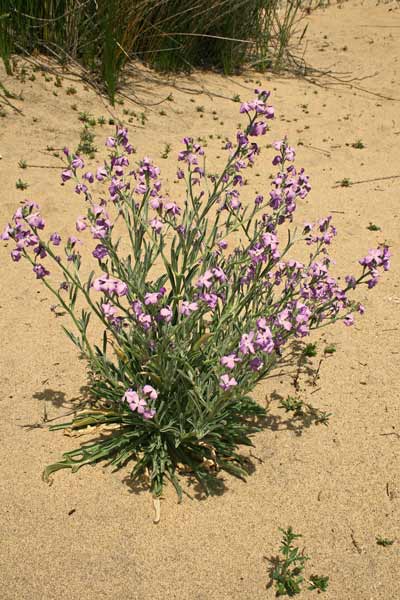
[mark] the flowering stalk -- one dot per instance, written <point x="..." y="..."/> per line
<point x="181" y="352"/>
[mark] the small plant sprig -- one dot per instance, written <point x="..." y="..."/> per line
<point x="86" y="143"/>
<point x="373" y="227"/>
<point x="382" y="541"/>
<point x="21" y="185"/>
<point x="299" y="408"/>
<point x="166" y="151"/>
<point x="288" y="570"/>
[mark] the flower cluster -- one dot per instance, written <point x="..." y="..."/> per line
<point x="138" y="401"/>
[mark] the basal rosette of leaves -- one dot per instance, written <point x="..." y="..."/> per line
<point x="181" y="352"/>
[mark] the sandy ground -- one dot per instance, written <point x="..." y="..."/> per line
<point x="90" y="535"/>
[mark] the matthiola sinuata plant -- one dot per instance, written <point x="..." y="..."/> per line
<point x="182" y="350"/>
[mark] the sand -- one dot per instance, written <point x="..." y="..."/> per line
<point x="91" y="535"/>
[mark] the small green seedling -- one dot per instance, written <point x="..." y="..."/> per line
<point x="310" y="350"/>
<point x="319" y="582"/>
<point x="200" y="109"/>
<point x="359" y="145"/>
<point x="167" y="150"/>
<point x="86" y="145"/>
<point x="291" y="404"/>
<point x="22" y="164"/>
<point x="381" y="541"/>
<point x="70" y="91"/>
<point x="330" y="349"/>
<point x="288" y="571"/>
<point x="101" y="120"/>
<point x="373" y="227"/>
<point x="345" y="182"/>
<point x="236" y="98"/>
<point x="21" y="185"/>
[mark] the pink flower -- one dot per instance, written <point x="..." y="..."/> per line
<point x="149" y="413"/>
<point x="172" y="208"/>
<point x="81" y="224"/>
<point x="109" y="286"/>
<point x="101" y="173"/>
<point x="188" y="307"/>
<point x="149" y="391"/>
<point x="151" y="298"/>
<point x="246" y="345"/>
<point x="204" y="280"/>
<point x="227" y="382"/>
<point x="35" y="220"/>
<point x="348" y="320"/>
<point x="229" y="361"/>
<point x="109" y="310"/>
<point x="166" y="314"/>
<point x="283" y="320"/>
<point x="156" y="225"/>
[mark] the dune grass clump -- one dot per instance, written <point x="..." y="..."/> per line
<point x="196" y="301"/>
<point x="168" y="35"/>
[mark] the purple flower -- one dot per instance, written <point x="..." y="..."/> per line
<point x="226" y="382"/>
<point x="100" y="252"/>
<point x="171" y="207"/>
<point x="88" y="176"/>
<point x="246" y="345"/>
<point x="35" y="220"/>
<point x="348" y="320"/>
<point x="66" y="175"/>
<point x="6" y="233"/>
<point x="188" y="307"/>
<point x="258" y="128"/>
<point x="255" y="364"/>
<point x="204" y="280"/>
<point x="16" y="255"/>
<point x="166" y="314"/>
<point x="109" y="286"/>
<point x="109" y="310"/>
<point x="210" y="299"/>
<point x="152" y="297"/>
<point x="219" y="274"/>
<point x="110" y="142"/>
<point x="77" y="163"/>
<point x="283" y="320"/>
<point x="40" y="271"/>
<point x="144" y="321"/>
<point x="223" y="244"/>
<point x="101" y="173"/>
<point x="264" y="340"/>
<point x="55" y="238"/>
<point x="156" y="225"/>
